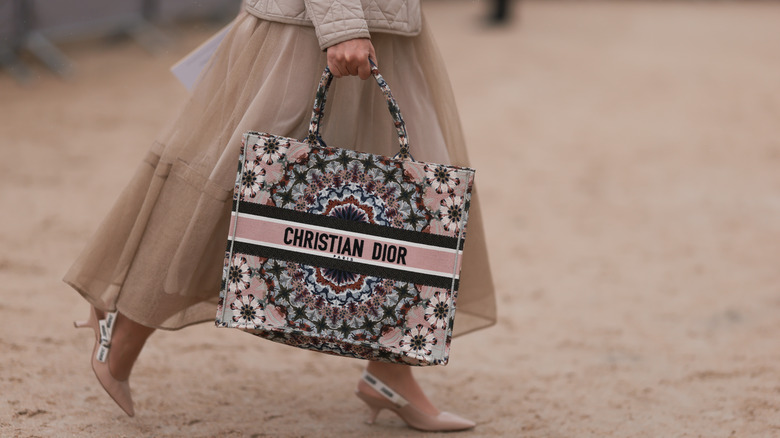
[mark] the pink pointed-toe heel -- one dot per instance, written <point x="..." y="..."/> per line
<point x="411" y="415"/>
<point x="103" y="328"/>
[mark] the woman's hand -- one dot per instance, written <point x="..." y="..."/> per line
<point x="350" y="58"/>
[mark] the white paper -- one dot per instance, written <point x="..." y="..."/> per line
<point x="188" y="69"/>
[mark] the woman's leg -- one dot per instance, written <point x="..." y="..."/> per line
<point x="113" y="361"/>
<point x="127" y="341"/>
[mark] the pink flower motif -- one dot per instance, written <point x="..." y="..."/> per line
<point x="251" y="180"/>
<point x="247" y="312"/>
<point x="438" y="311"/>
<point x="270" y="149"/>
<point x="419" y="341"/>
<point x="361" y="310"/>
<point x="441" y="178"/>
<point x="239" y="275"/>
<point x="451" y="212"/>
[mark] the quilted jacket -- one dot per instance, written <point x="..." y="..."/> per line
<point x="336" y="21"/>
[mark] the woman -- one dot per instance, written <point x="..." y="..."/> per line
<point x="157" y="258"/>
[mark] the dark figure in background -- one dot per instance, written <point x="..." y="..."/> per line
<point x="500" y="12"/>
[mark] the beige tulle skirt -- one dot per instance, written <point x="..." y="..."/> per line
<point x="157" y="257"/>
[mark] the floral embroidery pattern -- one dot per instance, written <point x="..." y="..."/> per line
<point x="441" y="178"/>
<point x="332" y="309"/>
<point x="247" y="312"/>
<point x="419" y="341"/>
<point x="270" y="149"/>
<point x="438" y="310"/>
<point x="251" y="180"/>
<point x="238" y="275"/>
<point x="337" y="303"/>
<point x="451" y="212"/>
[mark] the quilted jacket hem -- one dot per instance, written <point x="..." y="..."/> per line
<point x="332" y="28"/>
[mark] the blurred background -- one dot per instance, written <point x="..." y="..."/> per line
<point x="37" y="27"/>
<point x="627" y="154"/>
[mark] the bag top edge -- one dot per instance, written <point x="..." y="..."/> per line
<point x="397" y="160"/>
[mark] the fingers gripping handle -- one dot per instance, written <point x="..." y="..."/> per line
<point x="319" y="110"/>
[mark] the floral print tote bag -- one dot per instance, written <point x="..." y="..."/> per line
<point x="344" y="252"/>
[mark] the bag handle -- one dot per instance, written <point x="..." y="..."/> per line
<point x="318" y="111"/>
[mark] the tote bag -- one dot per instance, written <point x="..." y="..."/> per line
<point x="345" y="252"/>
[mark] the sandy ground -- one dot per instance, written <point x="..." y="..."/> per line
<point x="628" y="155"/>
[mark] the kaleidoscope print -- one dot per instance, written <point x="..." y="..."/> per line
<point x="345" y="252"/>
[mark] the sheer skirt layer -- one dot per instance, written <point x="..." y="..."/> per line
<point x="157" y="257"/>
